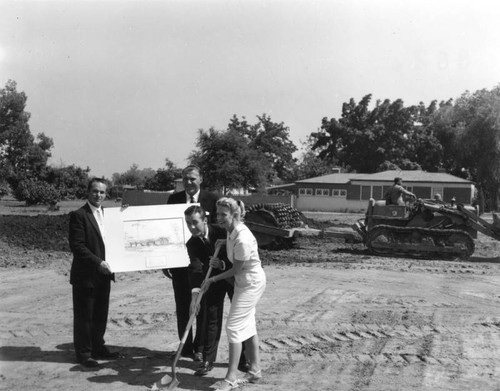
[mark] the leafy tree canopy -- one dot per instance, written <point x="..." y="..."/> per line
<point x="228" y="162"/>
<point x="21" y="156"/>
<point x="363" y="139"/>
<point x="470" y="131"/>
<point x="134" y="176"/>
<point x="271" y="139"/>
<point x="310" y="165"/>
<point x="164" y="178"/>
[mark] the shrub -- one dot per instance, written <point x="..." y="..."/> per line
<point x="36" y="192"/>
<point x="4" y="188"/>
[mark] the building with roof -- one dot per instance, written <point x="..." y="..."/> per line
<point x="351" y="191"/>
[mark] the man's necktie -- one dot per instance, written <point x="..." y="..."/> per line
<point x="206" y="242"/>
<point x="192" y="200"/>
<point x="100" y="222"/>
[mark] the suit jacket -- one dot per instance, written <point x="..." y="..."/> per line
<point x="207" y="200"/>
<point x="199" y="255"/>
<point x="87" y="246"/>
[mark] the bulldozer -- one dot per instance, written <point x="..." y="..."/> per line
<point x="423" y="229"/>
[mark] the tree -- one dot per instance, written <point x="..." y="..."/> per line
<point x="228" y="162"/>
<point x="477" y="124"/>
<point x="134" y="176"/>
<point x="310" y="165"/>
<point x="20" y="155"/>
<point x="364" y="140"/>
<point x="273" y="141"/>
<point x="70" y="181"/>
<point x="164" y="178"/>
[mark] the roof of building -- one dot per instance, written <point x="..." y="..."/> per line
<point x="283" y="186"/>
<point x="412" y="176"/>
<point x="340" y="178"/>
<point x="406" y="175"/>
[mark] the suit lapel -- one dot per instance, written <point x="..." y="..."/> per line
<point x="93" y="221"/>
<point x="201" y="198"/>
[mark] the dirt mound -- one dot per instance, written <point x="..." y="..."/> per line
<point x="33" y="241"/>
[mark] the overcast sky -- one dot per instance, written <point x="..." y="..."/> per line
<point x="120" y="82"/>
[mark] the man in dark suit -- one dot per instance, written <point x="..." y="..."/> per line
<point x="191" y="179"/>
<point x="90" y="277"/>
<point x="201" y="247"/>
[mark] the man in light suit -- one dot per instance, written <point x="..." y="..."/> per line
<point x="90" y="277"/>
<point x="192" y="193"/>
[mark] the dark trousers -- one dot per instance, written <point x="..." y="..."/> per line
<point x="90" y="316"/>
<point x="210" y="318"/>
<point x="182" y="295"/>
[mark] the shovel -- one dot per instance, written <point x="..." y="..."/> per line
<point x="163" y="382"/>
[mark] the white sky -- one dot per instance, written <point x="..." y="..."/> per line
<point x="120" y="82"/>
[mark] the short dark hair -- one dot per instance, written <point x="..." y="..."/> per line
<point x="195" y="209"/>
<point x="191" y="167"/>
<point x="94" y="180"/>
<point x="397" y="179"/>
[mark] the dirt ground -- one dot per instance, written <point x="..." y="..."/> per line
<point x="333" y="318"/>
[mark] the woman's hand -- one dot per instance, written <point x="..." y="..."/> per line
<point x="220" y="242"/>
<point x="216" y="263"/>
<point x="205" y="285"/>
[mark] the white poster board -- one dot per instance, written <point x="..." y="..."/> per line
<point x="146" y="237"/>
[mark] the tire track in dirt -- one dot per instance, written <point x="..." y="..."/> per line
<point x="116" y="323"/>
<point x="135" y="321"/>
<point x="399" y="345"/>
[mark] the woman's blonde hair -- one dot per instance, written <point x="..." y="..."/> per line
<point x="236" y="207"/>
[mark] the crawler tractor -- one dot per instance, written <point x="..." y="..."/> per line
<point x="424" y="228"/>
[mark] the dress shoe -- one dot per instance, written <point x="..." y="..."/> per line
<point x="89" y="363"/>
<point x="204" y="368"/>
<point x="185" y="355"/>
<point x="198" y="357"/>
<point x="105" y="355"/>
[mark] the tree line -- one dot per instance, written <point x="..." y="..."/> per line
<point x="461" y="137"/>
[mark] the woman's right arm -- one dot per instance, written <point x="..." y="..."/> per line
<point x="237" y="266"/>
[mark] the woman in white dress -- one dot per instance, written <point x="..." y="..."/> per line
<point x="249" y="285"/>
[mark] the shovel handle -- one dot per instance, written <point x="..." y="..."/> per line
<point x="198" y="299"/>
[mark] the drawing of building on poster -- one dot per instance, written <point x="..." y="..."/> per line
<point x="153" y="235"/>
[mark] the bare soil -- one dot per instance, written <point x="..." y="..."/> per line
<point x="333" y="317"/>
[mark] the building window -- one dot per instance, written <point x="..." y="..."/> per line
<point x="322" y="192"/>
<point x="377" y="192"/>
<point x="339" y="193"/>
<point x="305" y="191"/>
<point x="366" y="192"/>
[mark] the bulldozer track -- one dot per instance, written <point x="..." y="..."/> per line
<point x="419" y="242"/>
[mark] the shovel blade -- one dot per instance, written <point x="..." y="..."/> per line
<point x="165" y="383"/>
<point x="173" y="384"/>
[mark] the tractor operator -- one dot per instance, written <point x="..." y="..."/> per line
<point x="395" y="196"/>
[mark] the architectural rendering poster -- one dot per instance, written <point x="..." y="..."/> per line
<point x="146" y="237"/>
